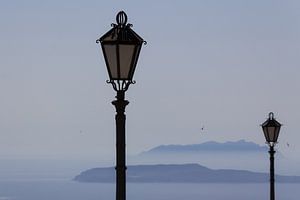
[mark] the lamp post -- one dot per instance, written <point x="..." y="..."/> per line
<point x="271" y="129"/>
<point x="121" y="47"/>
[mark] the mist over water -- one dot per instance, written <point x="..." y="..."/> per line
<point x="66" y="189"/>
<point x="257" y="162"/>
<point x="48" y="180"/>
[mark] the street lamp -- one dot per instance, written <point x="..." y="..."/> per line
<point x="121" y="48"/>
<point x="271" y="129"/>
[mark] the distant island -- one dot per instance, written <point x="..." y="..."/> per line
<point x="180" y="173"/>
<point x="237" y="146"/>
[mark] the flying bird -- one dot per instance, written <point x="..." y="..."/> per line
<point x="202" y="129"/>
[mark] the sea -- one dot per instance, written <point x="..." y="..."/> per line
<point x="52" y="180"/>
<point x="64" y="189"/>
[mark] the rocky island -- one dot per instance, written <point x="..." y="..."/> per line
<point x="180" y="173"/>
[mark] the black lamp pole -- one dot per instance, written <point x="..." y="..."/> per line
<point x="121" y="47"/>
<point x="272" y="176"/>
<point x="120" y="105"/>
<point x="271" y="129"/>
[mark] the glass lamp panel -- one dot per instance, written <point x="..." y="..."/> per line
<point x="136" y="55"/>
<point x="271" y="133"/>
<point x="110" y="54"/>
<point x="277" y="129"/>
<point x="126" y="53"/>
<point x="265" y="130"/>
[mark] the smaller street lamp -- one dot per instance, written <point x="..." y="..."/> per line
<point x="121" y="47"/>
<point x="271" y="129"/>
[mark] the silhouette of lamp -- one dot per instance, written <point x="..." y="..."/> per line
<point x="271" y="129"/>
<point x="121" y="47"/>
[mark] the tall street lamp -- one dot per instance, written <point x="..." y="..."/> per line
<point x="271" y="129"/>
<point x="121" y="48"/>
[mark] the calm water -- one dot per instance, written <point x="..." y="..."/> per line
<point x="69" y="190"/>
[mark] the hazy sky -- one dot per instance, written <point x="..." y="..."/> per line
<point x="219" y="64"/>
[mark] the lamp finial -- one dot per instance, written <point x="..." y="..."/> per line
<point x="271" y="115"/>
<point x="121" y="18"/>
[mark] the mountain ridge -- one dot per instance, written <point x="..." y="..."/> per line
<point x="240" y="145"/>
